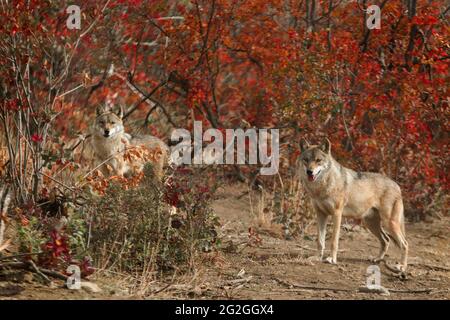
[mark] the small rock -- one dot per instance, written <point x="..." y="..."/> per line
<point x="90" y="287"/>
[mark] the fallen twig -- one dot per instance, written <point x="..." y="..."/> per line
<point x="309" y="287"/>
<point x="39" y="272"/>
<point x="53" y="274"/>
<point x="306" y="248"/>
<point x="430" y="266"/>
<point x="236" y="281"/>
<point x="361" y="289"/>
<point x="14" y="264"/>
<point x="31" y="266"/>
<point x="161" y="289"/>
<point x="19" y="255"/>
<point x="427" y="290"/>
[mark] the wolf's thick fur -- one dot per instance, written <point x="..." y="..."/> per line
<point x="109" y="142"/>
<point x="338" y="191"/>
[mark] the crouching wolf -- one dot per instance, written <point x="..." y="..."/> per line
<point x="338" y="191"/>
<point x="110" y="142"/>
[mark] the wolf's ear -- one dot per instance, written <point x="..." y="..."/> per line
<point x="326" y="146"/>
<point x="303" y="144"/>
<point x="120" y="112"/>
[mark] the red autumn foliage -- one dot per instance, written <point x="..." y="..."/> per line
<point x="311" y="68"/>
<point x="36" y="138"/>
<point x="56" y="250"/>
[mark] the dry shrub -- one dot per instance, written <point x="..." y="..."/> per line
<point x="292" y="206"/>
<point x="284" y="210"/>
<point x="122" y="225"/>
<point x="263" y="216"/>
<point x="133" y="230"/>
<point x="437" y="206"/>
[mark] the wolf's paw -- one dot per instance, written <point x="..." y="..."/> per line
<point x="401" y="272"/>
<point x="330" y="260"/>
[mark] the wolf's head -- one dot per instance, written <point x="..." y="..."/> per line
<point x="108" y="123"/>
<point x="315" y="160"/>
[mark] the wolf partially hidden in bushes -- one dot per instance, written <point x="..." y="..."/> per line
<point x="110" y="144"/>
<point x="5" y="198"/>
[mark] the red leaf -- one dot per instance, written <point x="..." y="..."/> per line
<point x="36" y="138"/>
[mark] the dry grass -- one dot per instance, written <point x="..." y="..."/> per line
<point x="283" y="211"/>
<point x="133" y="233"/>
<point x="261" y="204"/>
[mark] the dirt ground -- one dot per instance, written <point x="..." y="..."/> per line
<point x="278" y="268"/>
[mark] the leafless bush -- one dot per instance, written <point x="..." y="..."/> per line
<point x="283" y="209"/>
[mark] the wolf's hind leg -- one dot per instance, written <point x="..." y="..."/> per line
<point x="396" y="230"/>
<point x="373" y="222"/>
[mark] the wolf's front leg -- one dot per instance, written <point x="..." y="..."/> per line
<point x="337" y="217"/>
<point x="120" y="167"/>
<point x="321" y="232"/>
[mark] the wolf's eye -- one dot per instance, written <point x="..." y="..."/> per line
<point x="102" y="122"/>
<point x="318" y="160"/>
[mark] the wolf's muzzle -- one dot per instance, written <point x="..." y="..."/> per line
<point x="311" y="175"/>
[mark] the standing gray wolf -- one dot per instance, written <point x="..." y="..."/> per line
<point x="338" y="191"/>
<point x="110" y="142"/>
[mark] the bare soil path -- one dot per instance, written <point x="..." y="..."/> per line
<point x="283" y="269"/>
